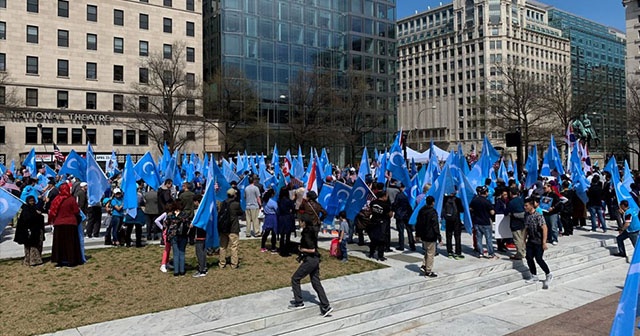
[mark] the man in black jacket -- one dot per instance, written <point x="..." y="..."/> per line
<point x="451" y="208"/>
<point x="427" y="230"/>
<point x="594" y="205"/>
<point x="402" y="212"/>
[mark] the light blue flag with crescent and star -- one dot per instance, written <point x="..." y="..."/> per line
<point x="147" y="170"/>
<point x="30" y="162"/>
<point x="364" y="168"/>
<point x="414" y="190"/>
<point x="323" y="199"/>
<point x="360" y="192"/>
<point x="397" y="165"/>
<point x="97" y="182"/>
<point x="75" y="165"/>
<point x="9" y="206"/>
<point x="337" y="201"/>
<point x="624" y="322"/>
<point x="206" y="216"/>
<point x="130" y="189"/>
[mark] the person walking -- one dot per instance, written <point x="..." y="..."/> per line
<point x="252" y="206"/>
<point x="428" y="231"/>
<point x="30" y="232"/>
<point x="536" y="237"/>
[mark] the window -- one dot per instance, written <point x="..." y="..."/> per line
<point x="143" y="75"/>
<point x="92" y="70"/>
<point x="32" y="6"/>
<point x="167" y="25"/>
<point x="118" y="17"/>
<point x="92" y="42"/>
<point x="191" y="136"/>
<point x="63" y="38"/>
<point x="144" y="21"/>
<point x="3" y="3"/>
<point x="191" y="106"/>
<point x="118" y="73"/>
<point x="117" y="137"/>
<point x="191" y="30"/>
<point x="118" y="102"/>
<point x="143" y="103"/>
<point x="143" y="48"/>
<point x="3" y="30"/>
<point x="76" y="136"/>
<point x="118" y="45"/>
<point x="62" y="136"/>
<point x="2" y="131"/>
<point x="32" y="65"/>
<point x="3" y="95"/>
<point x="92" y="13"/>
<point x="167" y="77"/>
<point x="191" y="5"/>
<point x="167" y="105"/>
<point x="63" y="68"/>
<point x="190" y="78"/>
<point x="143" y="138"/>
<point x="131" y="137"/>
<point x="91" y="136"/>
<point x="32" y="34"/>
<point x="92" y="101"/>
<point x="32" y="97"/>
<point x="167" y="3"/>
<point x="3" y="62"/>
<point x="191" y="55"/>
<point x="63" y="99"/>
<point x="167" y="50"/>
<point x="31" y="135"/>
<point x="47" y="134"/>
<point x="63" y="8"/>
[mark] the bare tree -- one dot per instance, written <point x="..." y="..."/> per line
<point x="633" y="116"/>
<point x="164" y="102"/>
<point x="231" y="106"/>
<point x="310" y="102"/>
<point x="8" y="94"/>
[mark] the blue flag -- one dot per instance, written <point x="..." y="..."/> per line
<point x="338" y="200"/>
<point x="206" y="216"/>
<point x="360" y="192"/>
<point x="49" y="172"/>
<point x="414" y="190"/>
<point x="227" y="171"/>
<point x="89" y="149"/>
<point x="325" y="196"/>
<point x="438" y="190"/>
<point x="146" y="169"/>
<point x="627" y="178"/>
<point x="130" y="189"/>
<point x="75" y="165"/>
<point x="221" y="182"/>
<point x="580" y="183"/>
<point x="382" y="168"/>
<point x="241" y="185"/>
<point x="30" y="162"/>
<point x="12" y="168"/>
<point x="398" y="166"/>
<point x="97" y="182"/>
<point x="627" y="312"/>
<point x="9" y="206"/>
<point x="532" y="167"/>
<point x="111" y="167"/>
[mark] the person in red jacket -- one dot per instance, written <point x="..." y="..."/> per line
<point x="64" y="215"/>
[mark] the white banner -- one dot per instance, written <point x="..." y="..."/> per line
<point x="502" y="227"/>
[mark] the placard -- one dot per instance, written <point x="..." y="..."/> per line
<point x="502" y="227"/>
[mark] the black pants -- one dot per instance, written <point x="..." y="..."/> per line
<point x="360" y="232"/>
<point x="579" y="221"/>
<point x="387" y="235"/>
<point x="567" y="224"/>
<point x="535" y="251"/>
<point x="310" y="266"/>
<point x="152" y="229"/>
<point x="201" y="255"/>
<point x="94" y="221"/>
<point x="127" y="237"/>
<point x="273" y="238"/>
<point x="402" y="226"/>
<point x="285" y="239"/>
<point x="454" y="230"/>
<point x="376" y="245"/>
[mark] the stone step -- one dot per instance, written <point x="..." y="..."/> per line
<point x="424" y="294"/>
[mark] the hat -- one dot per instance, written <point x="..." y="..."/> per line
<point x="312" y="195"/>
<point x="231" y="192"/>
<point x="117" y="191"/>
<point x="83" y="184"/>
<point x="482" y="189"/>
<point x="352" y="169"/>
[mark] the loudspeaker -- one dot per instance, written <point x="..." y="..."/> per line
<point x="512" y="139"/>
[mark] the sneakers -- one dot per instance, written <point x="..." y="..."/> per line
<point x="533" y="279"/>
<point x="619" y="254"/>
<point x="431" y="275"/>
<point x="548" y="280"/>
<point x="344" y="261"/>
<point x="326" y="311"/>
<point x="423" y="268"/>
<point x="492" y="257"/>
<point x="274" y="251"/>
<point x="263" y="250"/>
<point x="458" y="256"/>
<point x="199" y="275"/>
<point x="296" y="305"/>
<point x="450" y="256"/>
<point x="554" y="243"/>
<point x="163" y="268"/>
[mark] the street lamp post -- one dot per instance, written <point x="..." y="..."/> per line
<point x="275" y="114"/>
<point x="415" y="128"/>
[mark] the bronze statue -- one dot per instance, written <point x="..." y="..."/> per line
<point x="583" y="130"/>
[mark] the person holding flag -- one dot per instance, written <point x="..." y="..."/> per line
<point x="630" y="228"/>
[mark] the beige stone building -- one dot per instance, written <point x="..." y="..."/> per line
<point x="68" y="70"/>
<point x="632" y="15"/>
<point x="448" y="60"/>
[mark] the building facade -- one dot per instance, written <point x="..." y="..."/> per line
<point x="69" y="69"/>
<point x="271" y="44"/>
<point x="449" y="61"/>
<point x="632" y="19"/>
<point x="598" y="54"/>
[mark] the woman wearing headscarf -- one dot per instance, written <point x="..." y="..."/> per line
<point x="64" y="214"/>
<point x="286" y="220"/>
<point x="30" y="232"/>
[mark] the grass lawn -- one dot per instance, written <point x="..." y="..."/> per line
<point x="121" y="282"/>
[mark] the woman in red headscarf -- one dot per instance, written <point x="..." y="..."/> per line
<point x="64" y="214"/>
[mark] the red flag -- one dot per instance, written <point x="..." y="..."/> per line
<point x="57" y="154"/>
<point x="286" y="167"/>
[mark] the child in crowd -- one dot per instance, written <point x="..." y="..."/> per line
<point x="344" y="235"/>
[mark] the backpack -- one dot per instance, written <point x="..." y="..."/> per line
<point x="450" y="209"/>
<point x="334" y="249"/>
<point x="224" y="218"/>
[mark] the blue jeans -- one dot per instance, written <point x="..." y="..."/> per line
<point x="597" y="210"/>
<point x="633" y="236"/>
<point x="179" y="245"/>
<point x="343" y="248"/>
<point x="116" y="222"/>
<point x="552" y="225"/>
<point x="486" y="231"/>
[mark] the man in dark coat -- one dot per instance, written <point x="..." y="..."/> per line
<point x="402" y="212"/>
<point x="428" y="230"/>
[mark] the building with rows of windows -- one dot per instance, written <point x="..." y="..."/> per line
<point x="448" y="60"/>
<point x="632" y="19"/>
<point x="68" y="68"/>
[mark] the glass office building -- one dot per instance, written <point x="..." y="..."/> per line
<point x="598" y="50"/>
<point x="271" y="42"/>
